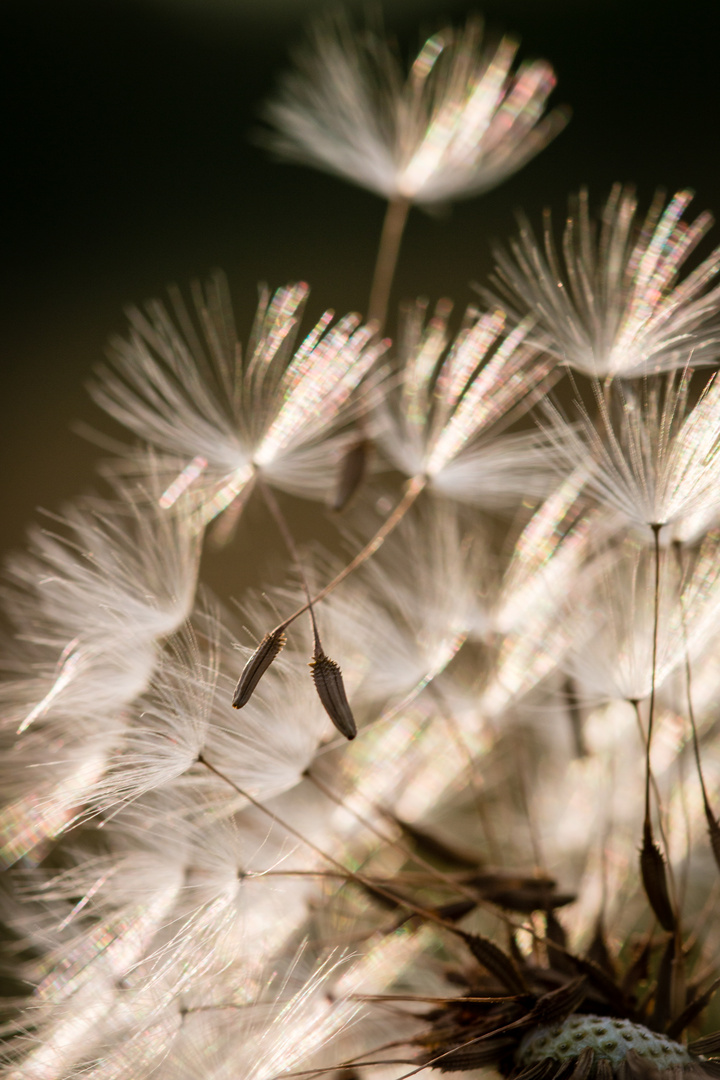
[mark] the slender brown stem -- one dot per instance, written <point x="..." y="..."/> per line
<point x="688" y="684"/>
<point x="272" y="505"/>
<point x="412" y="490"/>
<point x="436" y="874"/>
<point x="654" y="784"/>
<point x="351" y="875"/>
<point x="392" y="231"/>
<point x="651" y="717"/>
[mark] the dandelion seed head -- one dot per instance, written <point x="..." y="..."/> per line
<point x="462" y="121"/>
<point x="613" y="304"/>
<point x="651" y="459"/>
<point x="453" y="399"/>
<point x="215" y="418"/>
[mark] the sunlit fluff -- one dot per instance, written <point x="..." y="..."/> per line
<point x="649" y="457"/>
<point x="411" y="609"/>
<point x="611" y="302"/>
<point x="170" y="725"/>
<point x="219" y="419"/>
<point x="111" y="573"/>
<point x="612" y="621"/>
<point x="450" y="396"/>
<point x="458" y="124"/>
<point x="529" y="634"/>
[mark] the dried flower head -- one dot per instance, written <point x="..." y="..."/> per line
<point x="458" y="124"/>
<point x="571" y="1015"/>
<point x="611" y="303"/>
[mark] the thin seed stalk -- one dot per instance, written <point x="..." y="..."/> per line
<point x="712" y="821"/>
<point x="413" y="489"/>
<point x="326" y="674"/>
<point x="652" y="864"/>
<point x="656" y="618"/>
<point x="351" y="875"/>
<point x="387" y="257"/>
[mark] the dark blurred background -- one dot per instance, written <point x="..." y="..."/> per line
<point x="127" y="165"/>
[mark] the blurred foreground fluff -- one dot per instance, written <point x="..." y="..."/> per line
<point x="513" y="864"/>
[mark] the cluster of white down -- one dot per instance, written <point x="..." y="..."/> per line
<point x="211" y="919"/>
<point x="195" y="891"/>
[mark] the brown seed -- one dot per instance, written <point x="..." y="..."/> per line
<point x="541" y="1070"/>
<point x="495" y="961"/>
<point x="709" y="1045"/>
<point x="352" y="473"/>
<point x="599" y="952"/>
<point x="584" y="1064"/>
<point x="663" y="992"/>
<point x="714" y="830"/>
<point x="603" y="1070"/>
<point x="556" y="1005"/>
<point x="598" y="978"/>
<point x="328" y="680"/>
<point x="652" y="868"/>
<point x="256" y="667"/>
<point x="432" y="847"/>
<point x="555" y="936"/>
<point x="686" y="1017"/>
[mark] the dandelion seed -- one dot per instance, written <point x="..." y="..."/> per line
<point x="331" y="690"/>
<point x="616" y="617"/>
<point x="461" y="122"/>
<point x="651" y="458"/>
<point x="444" y="420"/>
<point x="270" y="646"/>
<point x="226" y="420"/>
<point x="113" y="572"/>
<point x="616" y="307"/>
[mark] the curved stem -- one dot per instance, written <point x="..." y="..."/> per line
<point x="392" y="231"/>
<point x="351" y="875"/>
<point x="651" y="717"/>
<point x="413" y="489"/>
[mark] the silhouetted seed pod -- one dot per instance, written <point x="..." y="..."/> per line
<point x="662" y="1011"/>
<point x="256" y="667"/>
<point x="652" y="868"/>
<point x="714" y="831"/>
<point x="584" y="1064"/>
<point x="709" y="1045"/>
<point x="432" y="847"/>
<point x="686" y="1017"/>
<point x="331" y="691"/>
<point x="495" y="961"/>
<point x="352" y="473"/>
<point x="557" y="1005"/>
<point x="599" y="979"/>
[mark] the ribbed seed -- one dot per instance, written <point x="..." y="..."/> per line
<point x="328" y="680"/>
<point x="256" y="667"/>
